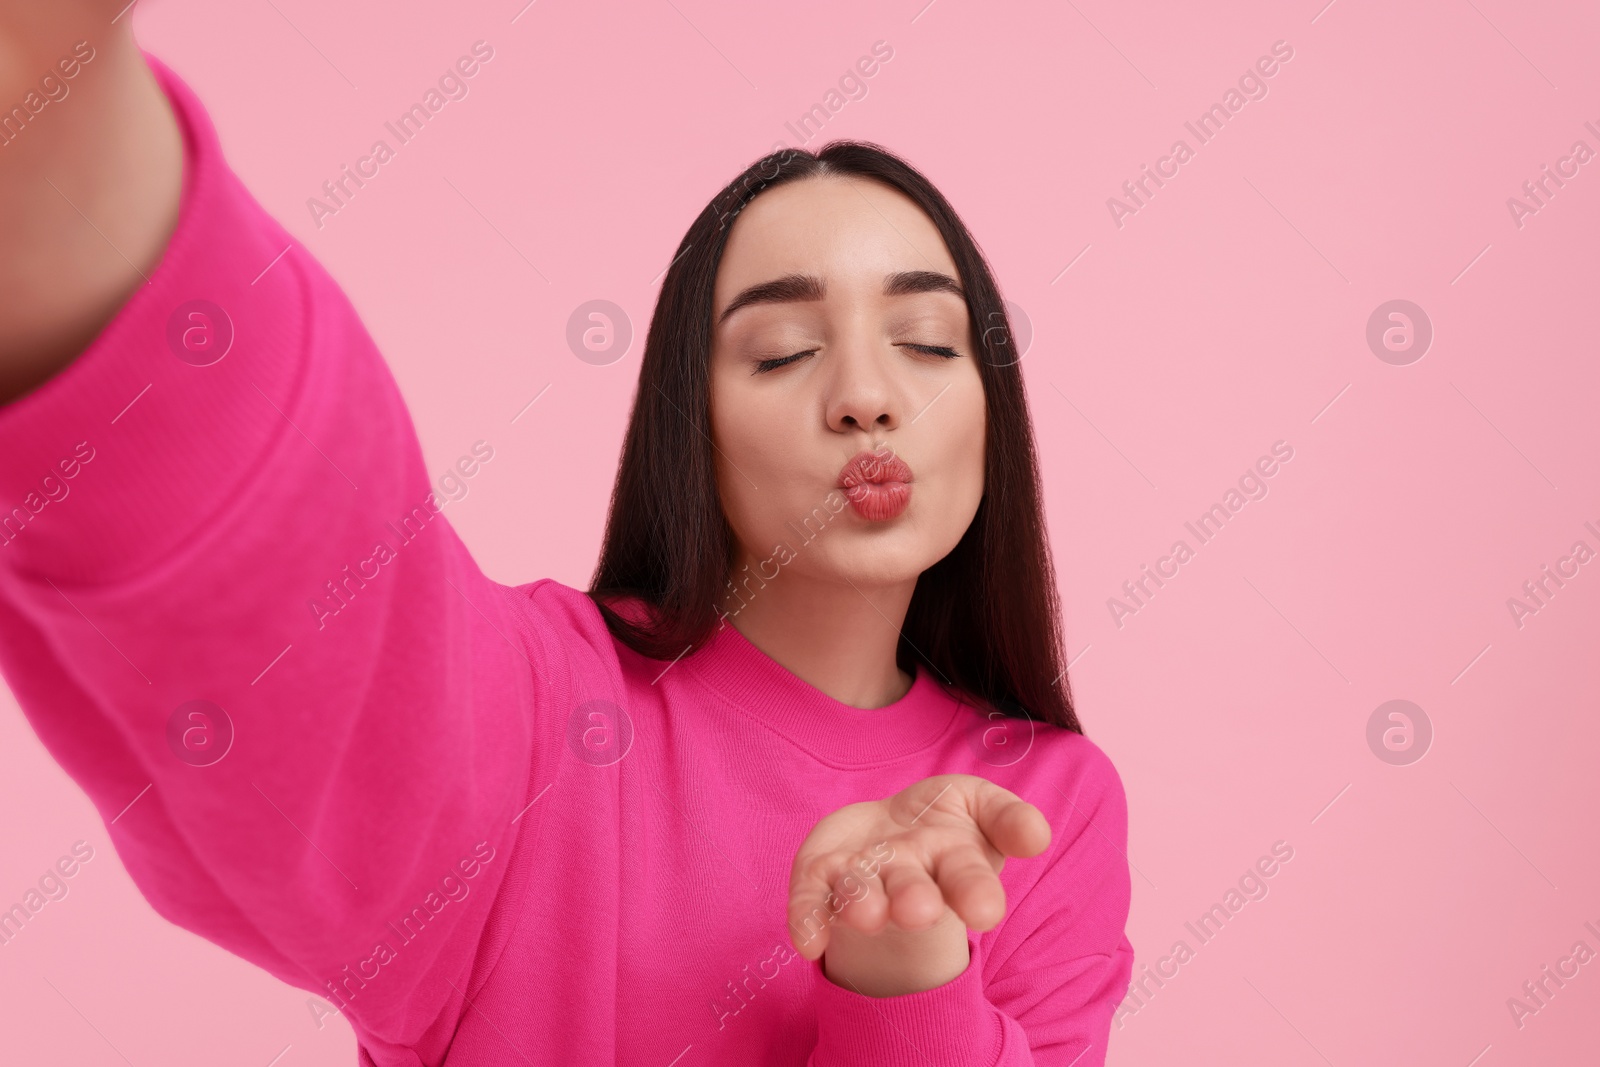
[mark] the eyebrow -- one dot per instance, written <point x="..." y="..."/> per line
<point x="792" y="287"/>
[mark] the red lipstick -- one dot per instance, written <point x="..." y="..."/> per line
<point x="878" y="484"/>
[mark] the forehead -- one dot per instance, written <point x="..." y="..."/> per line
<point x="849" y="231"/>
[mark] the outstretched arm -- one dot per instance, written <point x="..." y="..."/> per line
<point x="89" y="181"/>
<point x="230" y="605"/>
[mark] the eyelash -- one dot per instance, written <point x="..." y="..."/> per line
<point x="773" y="364"/>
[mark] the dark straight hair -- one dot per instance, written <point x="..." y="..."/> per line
<point x="985" y="618"/>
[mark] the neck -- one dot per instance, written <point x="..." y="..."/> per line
<point x="839" y="637"/>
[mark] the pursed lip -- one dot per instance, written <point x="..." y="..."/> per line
<point x="868" y="467"/>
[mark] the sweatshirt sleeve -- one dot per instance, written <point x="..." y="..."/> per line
<point x="1041" y="988"/>
<point x="231" y="609"/>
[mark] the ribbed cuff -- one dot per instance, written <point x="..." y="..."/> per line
<point x="951" y="1024"/>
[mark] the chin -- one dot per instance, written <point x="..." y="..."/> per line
<point x="882" y="555"/>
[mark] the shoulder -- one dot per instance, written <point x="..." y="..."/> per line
<point x="559" y="623"/>
<point x="565" y="623"/>
<point x="1071" y="902"/>
<point x="1085" y="763"/>
<point x="558" y="600"/>
<point x="559" y="611"/>
<point x="1071" y="779"/>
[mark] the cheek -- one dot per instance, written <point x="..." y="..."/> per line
<point x="740" y="502"/>
<point x="953" y="450"/>
<point x="963" y="438"/>
<point x="756" y="456"/>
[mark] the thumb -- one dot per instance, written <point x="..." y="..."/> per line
<point x="1012" y="825"/>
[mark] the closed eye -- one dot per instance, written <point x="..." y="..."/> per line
<point x="762" y="366"/>
<point x="772" y="364"/>
<point x="937" y="350"/>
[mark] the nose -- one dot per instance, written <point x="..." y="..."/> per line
<point x="862" y="390"/>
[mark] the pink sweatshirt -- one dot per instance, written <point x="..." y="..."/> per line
<point x="461" y="812"/>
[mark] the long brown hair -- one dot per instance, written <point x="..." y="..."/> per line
<point x="985" y="618"/>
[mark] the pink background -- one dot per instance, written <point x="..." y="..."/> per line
<point x="1224" y="316"/>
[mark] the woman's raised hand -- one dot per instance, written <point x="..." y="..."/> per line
<point x="888" y="888"/>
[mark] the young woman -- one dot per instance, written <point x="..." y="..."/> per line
<point x="798" y="780"/>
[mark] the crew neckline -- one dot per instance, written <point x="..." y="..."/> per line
<point x="763" y="689"/>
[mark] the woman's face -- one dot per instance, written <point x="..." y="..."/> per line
<point x="810" y="373"/>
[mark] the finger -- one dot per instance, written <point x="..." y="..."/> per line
<point x="814" y="905"/>
<point x="969" y="885"/>
<point x="1012" y="825"/>
<point x="809" y="921"/>
<point x="866" y="907"/>
<point x="915" y="901"/>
